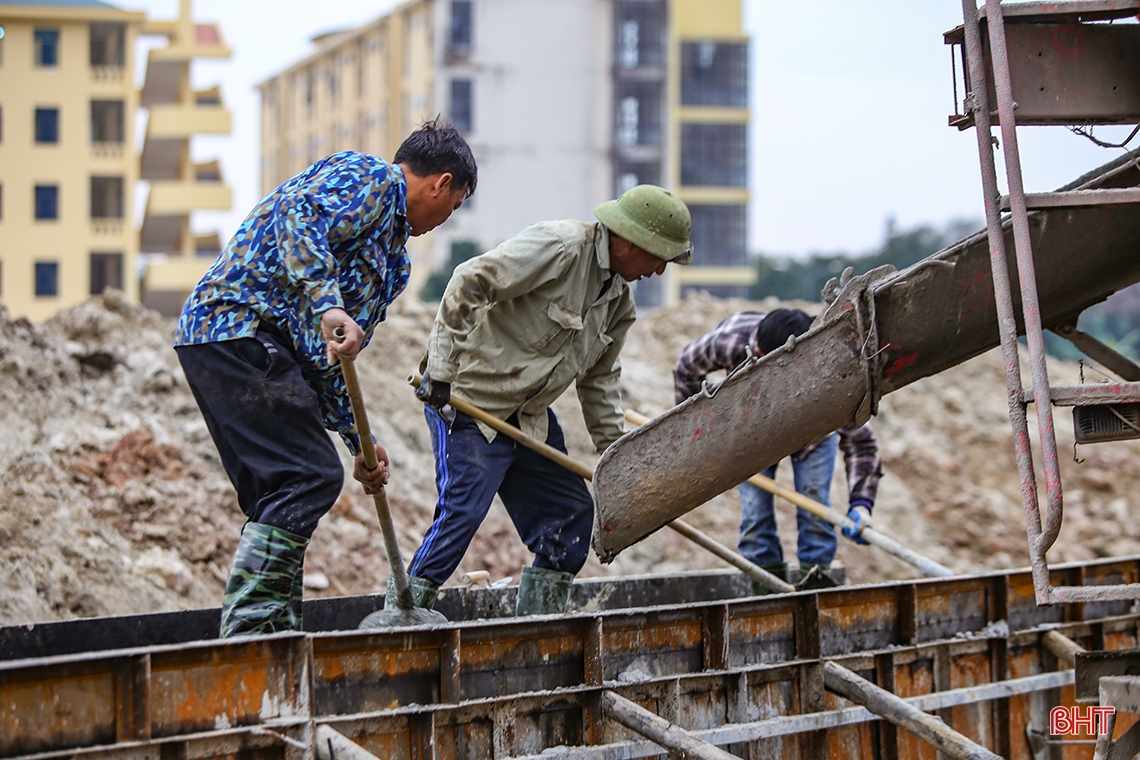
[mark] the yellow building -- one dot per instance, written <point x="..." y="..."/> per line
<point x="174" y="256"/>
<point x="639" y="91"/>
<point x="68" y="162"/>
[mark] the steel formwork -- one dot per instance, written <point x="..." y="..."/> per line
<point x="746" y="671"/>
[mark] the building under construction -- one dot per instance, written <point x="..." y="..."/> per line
<point x="694" y="665"/>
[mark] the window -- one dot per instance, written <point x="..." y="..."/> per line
<point x="460" y="108"/>
<point x="649" y="292"/>
<point x="108" y="44"/>
<point x="106" y="197"/>
<point x="47" y="279"/>
<point x="332" y="83"/>
<point x="640" y="114"/>
<point x="106" y="272"/>
<point x="716" y="291"/>
<point x="47" y="202"/>
<point x="47" y="126"/>
<point x="720" y="235"/>
<point x="46" y="45"/>
<point x="629" y="174"/>
<point x="714" y="155"/>
<point x="714" y="74"/>
<point x="309" y="89"/>
<point x="459" y="31"/>
<point x="108" y="119"/>
<point x="358" y="59"/>
<point x="639" y="31"/>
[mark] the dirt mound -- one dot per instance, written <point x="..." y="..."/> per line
<point x="112" y="499"/>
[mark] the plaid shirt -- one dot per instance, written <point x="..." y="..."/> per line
<point x="728" y="345"/>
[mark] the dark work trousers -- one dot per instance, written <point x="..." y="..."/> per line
<point x="550" y="506"/>
<point x="265" y="420"/>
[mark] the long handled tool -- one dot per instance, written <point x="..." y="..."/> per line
<point x="879" y="540"/>
<point x="404" y="612"/>
<point x="753" y="571"/>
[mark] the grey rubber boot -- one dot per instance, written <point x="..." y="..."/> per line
<point x="423" y="591"/>
<point x="779" y="570"/>
<point x="543" y="592"/>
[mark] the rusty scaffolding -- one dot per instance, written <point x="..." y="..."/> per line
<point x="1044" y="63"/>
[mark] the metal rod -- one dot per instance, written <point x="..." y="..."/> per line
<point x="333" y="745"/>
<point x="1027" y="279"/>
<point x="1092" y="394"/>
<point x="1003" y="298"/>
<point x="1071" y="198"/>
<point x="898" y="711"/>
<point x="380" y="498"/>
<point x="880" y="540"/>
<point x="652" y="726"/>
<point x="789" y="725"/>
<point x="751" y="569"/>
<point x="1062" y="647"/>
<point x="1113" y="360"/>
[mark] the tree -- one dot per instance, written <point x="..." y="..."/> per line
<point x="436" y="283"/>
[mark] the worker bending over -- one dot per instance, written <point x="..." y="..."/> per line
<point x="733" y="341"/>
<point x="324" y="251"/>
<point x="516" y="326"/>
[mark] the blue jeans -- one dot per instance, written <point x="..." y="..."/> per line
<point x="759" y="541"/>
<point x="550" y="506"/>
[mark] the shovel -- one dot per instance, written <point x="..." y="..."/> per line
<point x="404" y="613"/>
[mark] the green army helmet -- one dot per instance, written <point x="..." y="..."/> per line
<point x="653" y="219"/>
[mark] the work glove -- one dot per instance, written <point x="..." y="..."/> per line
<point x="858" y="514"/>
<point x="433" y="392"/>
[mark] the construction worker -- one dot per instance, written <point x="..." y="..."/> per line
<point x="324" y="252"/>
<point x="516" y="326"/>
<point x="733" y="341"/>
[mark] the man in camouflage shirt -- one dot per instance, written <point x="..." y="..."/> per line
<point x="516" y="326"/>
<point x="732" y="342"/>
<point x="323" y="252"/>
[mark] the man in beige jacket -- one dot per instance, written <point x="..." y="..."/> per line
<point x="516" y="326"/>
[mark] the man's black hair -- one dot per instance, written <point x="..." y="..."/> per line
<point x="780" y="324"/>
<point x="438" y="147"/>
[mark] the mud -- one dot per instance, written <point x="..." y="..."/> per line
<point x="112" y="499"/>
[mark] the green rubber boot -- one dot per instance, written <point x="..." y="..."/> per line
<point x="543" y="592"/>
<point x="263" y="592"/>
<point x="423" y="591"/>
<point x="780" y="570"/>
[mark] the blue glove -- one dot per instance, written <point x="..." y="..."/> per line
<point x="858" y="513"/>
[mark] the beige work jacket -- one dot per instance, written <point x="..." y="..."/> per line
<point x="521" y="322"/>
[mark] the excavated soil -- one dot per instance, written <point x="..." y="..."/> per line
<point x="112" y="499"/>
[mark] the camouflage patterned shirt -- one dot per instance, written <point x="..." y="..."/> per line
<point x="333" y="236"/>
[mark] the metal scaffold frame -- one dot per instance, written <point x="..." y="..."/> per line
<point x="1063" y="19"/>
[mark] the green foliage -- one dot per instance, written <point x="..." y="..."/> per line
<point x="801" y="278"/>
<point x="1116" y="321"/>
<point x="436" y="283"/>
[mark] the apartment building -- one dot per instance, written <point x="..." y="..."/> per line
<point x="68" y="163"/>
<point x="174" y="256"/>
<point x="564" y="102"/>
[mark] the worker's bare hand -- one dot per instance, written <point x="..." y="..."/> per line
<point x="349" y="345"/>
<point x="372" y="480"/>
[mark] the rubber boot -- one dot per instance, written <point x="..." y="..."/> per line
<point x="263" y="592"/>
<point x="543" y="592"/>
<point x="780" y="570"/>
<point x="423" y="591"/>
<point x="815" y="577"/>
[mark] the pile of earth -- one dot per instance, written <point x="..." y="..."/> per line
<point x="112" y="499"/>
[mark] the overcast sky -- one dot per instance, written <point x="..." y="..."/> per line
<point x="849" y="106"/>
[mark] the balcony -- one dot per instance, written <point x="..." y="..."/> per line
<point x="107" y="228"/>
<point x="167" y="198"/>
<point x="108" y="151"/>
<point x="184" y="121"/>
<point x="110" y="74"/>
